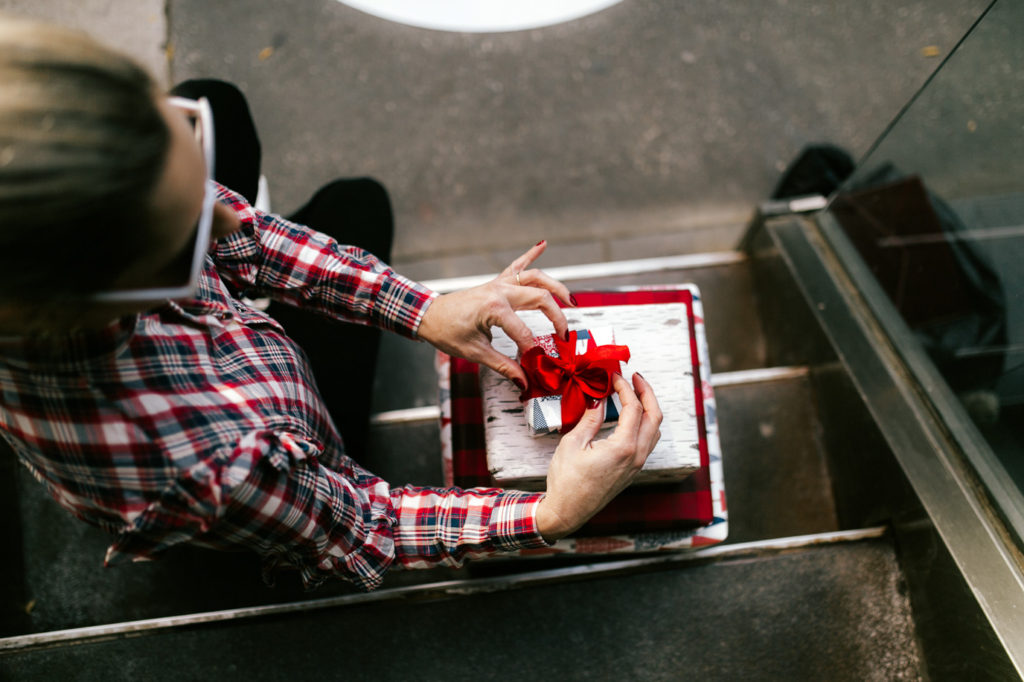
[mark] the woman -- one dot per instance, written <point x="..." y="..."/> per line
<point x="152" y="401"/>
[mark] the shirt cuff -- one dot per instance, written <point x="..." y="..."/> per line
<point x="401" y="304"/>
<point x="513" y="523"/>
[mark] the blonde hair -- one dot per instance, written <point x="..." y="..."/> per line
<point x="82" y="144"/>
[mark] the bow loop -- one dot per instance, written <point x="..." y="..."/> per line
<point x="581" y="380"/>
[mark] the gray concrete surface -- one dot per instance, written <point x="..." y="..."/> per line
<point x="827" y="613"/>
<point x="138" y="27"/>
<point x="963" y="134"/>
<point x="652" y="127"/>
<point x="625" y="133"/>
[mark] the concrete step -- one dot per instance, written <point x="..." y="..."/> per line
<point x="776" y="470"/>
<point x="779" y="461"/>
<point x="755" y="317"/>
<point x="776" y="477"/>
<point x="776" y="474"/>
<point x="814" y="611"/>
<point x="405" y="375"/>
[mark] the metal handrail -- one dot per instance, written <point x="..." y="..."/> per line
<point x="918" y="417"/>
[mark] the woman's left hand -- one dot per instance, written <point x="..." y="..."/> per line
<point x="460" y="323"/>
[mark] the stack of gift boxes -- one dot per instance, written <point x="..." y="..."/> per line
<point x="494" y="435"/>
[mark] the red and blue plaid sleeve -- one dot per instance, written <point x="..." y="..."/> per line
<point x="447" y="526"/>
<point x="299" y="266"/>
<point x="296" y="512"/>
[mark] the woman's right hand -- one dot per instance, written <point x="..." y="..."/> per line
<point x="585" y="474"/>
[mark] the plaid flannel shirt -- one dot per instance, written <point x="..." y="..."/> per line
<point x="199" y="422"/>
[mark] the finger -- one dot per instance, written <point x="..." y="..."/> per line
<point x="523" y="262"/>
<point x="588" y="427"/>
<point x="630" y="415"/>
<point x="532" y="298"/>
<point x="517" y="330"/>
<point x="540" y="279"/>
<point x="648" y="433"/>
<point x="502" y="364"/>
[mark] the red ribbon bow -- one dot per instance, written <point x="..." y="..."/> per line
<point x="582" y="380"/>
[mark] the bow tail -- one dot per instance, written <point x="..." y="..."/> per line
<point x="574" y="403"/>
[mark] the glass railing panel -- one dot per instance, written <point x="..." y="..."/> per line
<point x="936" y="212"/>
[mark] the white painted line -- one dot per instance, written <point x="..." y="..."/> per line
<point x="809" y="203"/>
<point x="754" y="376"/>
<point x="568" y="273"/>
<point x="411" y="415"/>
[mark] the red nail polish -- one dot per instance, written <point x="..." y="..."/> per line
<point x="572" y="299"/>
<point x="520" y="384"/>
<point x="540" y="242"/>
<point x="641" y="377"/>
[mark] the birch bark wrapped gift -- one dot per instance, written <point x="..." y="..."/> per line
<point x="567" y="377"/>
<point x="658" y="338"/>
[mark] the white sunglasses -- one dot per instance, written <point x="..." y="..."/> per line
<point x="199" y="110"/>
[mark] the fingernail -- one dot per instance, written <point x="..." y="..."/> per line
<point x="641" y="377"/>
<point x="540" y="242"/>
<point x="520" y="384"/>
<point x="572" y="299"/>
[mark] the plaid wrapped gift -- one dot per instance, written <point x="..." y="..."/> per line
<point x="687" y="514"/>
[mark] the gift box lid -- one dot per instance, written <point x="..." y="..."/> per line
<point x="658" y="336"/>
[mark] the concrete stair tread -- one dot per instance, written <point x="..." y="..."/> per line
<point x="405" y="369"/>
<point x="835" y="612"/>
<point x="776" y="481"/>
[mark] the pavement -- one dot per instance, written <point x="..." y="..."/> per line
<point x="650" y="128"/>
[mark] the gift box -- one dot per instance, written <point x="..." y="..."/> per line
<point x="544" y="413"/>
<point x="687" y="514"/>
<point x="659" y="340"/>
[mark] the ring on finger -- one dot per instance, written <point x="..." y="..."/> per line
<point x="517" y="280"/>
